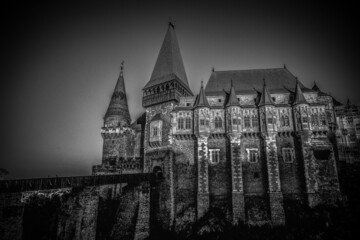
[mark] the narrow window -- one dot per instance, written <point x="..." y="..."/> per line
<point x="322" y="119"/>
<point x="282" y="121"/>
<point x="287" y="121"/>
<point x="202" y="122"/>
<point x="305" y="120"/>
<point x="288" y="155"/>
<point x="270" y="120"/>
<point x="247" y="121"/>
<point x="254" y="121"/>
<point x="188" y="123"/>
<point x="358" y="127"/>
<point x="180" y="123"/>
<point x="207" y="123"/>
<point x="214" y="155"/>
<point x="235" y="121"/>
<point x="253" y="155"/>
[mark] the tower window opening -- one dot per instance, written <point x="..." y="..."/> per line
<point x="214" y="155"/>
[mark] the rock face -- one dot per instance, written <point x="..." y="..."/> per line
<point x="116" y="211"/>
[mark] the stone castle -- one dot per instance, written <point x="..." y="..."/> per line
<point x="248" y="143"/>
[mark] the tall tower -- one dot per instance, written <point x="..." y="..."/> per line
<point x="202" y="132"/>
<point x="234" y="132"/>
<point x="269" y="131"/>
<point x="116" y="125"/>
<point x="168" y="82"/>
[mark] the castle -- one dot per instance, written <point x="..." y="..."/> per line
<point x="248" y="143"/>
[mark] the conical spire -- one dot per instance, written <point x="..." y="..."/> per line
<point x="169" y="64"/>
<point x="233" y="101"/>
<point x="201" y="100"/>
<point x="299" y="96"/>
<point x="117" y="113"/>
<point x="265" y="97"/>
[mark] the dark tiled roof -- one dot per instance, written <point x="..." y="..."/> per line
<point x="278" y="80"/>
<point x="336" y="102"/>
<point x="169" y="61"/>
<point x="118" y="105"/>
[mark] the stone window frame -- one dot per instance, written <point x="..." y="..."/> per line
<point x="248" y="153"/>
<point x="357" y="127"/>
<point x="322" y="119"/>
<point x="214" y="152"/>
<point x="292" y="154"/>
<point x="202" y="121"/>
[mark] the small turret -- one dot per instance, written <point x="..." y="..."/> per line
<point x="201" y="100"/>
<point x="265" y="97"/>
<point x="232" y="101"/>
<point x="299" y="96"/>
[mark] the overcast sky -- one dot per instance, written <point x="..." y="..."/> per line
<point x="62" y="60"/>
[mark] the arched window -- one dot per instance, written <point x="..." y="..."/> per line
<point x="254" y="121"/>
<point x="180" y="123"/>
<point x="187" y="123"/>
<point x="247" y="121"/>
<point x="218" y="122"/>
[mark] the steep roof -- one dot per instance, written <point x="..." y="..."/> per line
<point x="250" y="81"/>
<point x="118" y="106"/>
<point x="299" y="96"/>
<point x="232" y="101"/>
<point x="201" y="100"/>
<point x="169" y="64"/>
<point x="317" y="89"/>
<point x="265" y="97"/>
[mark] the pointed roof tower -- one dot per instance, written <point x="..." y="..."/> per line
<point x="299" y="96"/>
<point x="233" y="101"/>
<point x="265" y="97"/>
<point x="117" y="113"/>
<point x="169" y="64"/>
<point x="201" y="100"/>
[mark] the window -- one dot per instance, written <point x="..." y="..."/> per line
<point x="322" y="154"/>
<point x="188" y="123"/>
<point x="214" y="155"/>
<point x="247" y="121"/>
<point x="253" y="155"/>
<point x="287" y="121"/>
<point x="322" y="119"/>
<point x="235" y="121"/>
<point x="305" y="120"/>
<point x="270" y="120"/>
<point x="287" y="154"/>
<point x="188" y="104"/>
<point x="202" y="122"/>
<point x="180" y="123"/>
<point x="218" y="122"/>
<point x="358" y="127"/>
<point x="155" y="131"/>
<point x="207" y="122"/>
<point x="219" y="100"/>
<point x="254" y="121"/>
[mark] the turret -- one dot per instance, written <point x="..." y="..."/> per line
<point x="202" y="114"/>
<point x="267" y="111"/>
<point x="233" y="113"/>
<point x="300" y="109"/>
